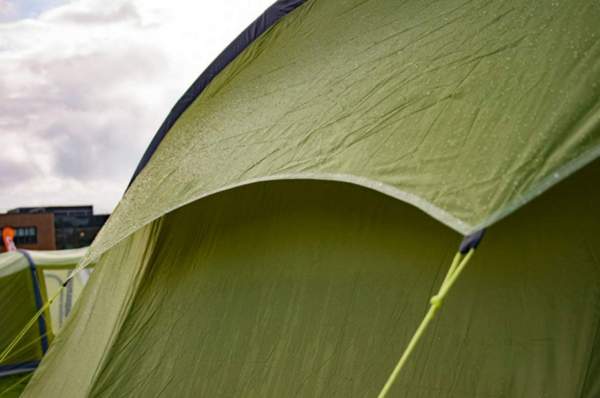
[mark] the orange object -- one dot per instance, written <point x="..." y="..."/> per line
<point x="8" y="236"/>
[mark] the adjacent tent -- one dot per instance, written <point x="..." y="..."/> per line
<point x="296" y="210"/>
<point x="27" y="279"/>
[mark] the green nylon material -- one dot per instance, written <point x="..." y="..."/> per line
<point x="458" y="264"/>
<point x="214" y="282"/>
<point x="13" y="386"/>
<point x="311" y="289"/>
<point x="17" y="307"/>
<point x="10" y="348"/>
<point x="18" y="312"/>
<point x="465" y="109"/>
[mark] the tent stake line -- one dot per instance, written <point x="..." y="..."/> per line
<point x="462" y="257"/>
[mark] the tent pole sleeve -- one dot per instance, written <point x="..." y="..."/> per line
<point x="39" y="302"/>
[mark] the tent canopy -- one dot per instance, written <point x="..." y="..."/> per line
<point x="465" y="110"/>
<point x="262" y="249"/>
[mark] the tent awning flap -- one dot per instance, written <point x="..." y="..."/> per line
<point x="469" y="110"/>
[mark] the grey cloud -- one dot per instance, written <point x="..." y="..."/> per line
<point x="123" y="13"/>
<point x="14" y="173"/>
<point x="93" y="151"/>
<point x="77" y="81"/>
<point x="77" y="109"/>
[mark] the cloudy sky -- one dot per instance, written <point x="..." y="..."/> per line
<point x="84" y="85"/>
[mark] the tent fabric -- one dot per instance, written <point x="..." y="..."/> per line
<point x="13" y="386"/>
<point x="17" y="306"/>
<point x="288" y="229"/>
<point x="97" y="315"/>
<point x="40" y="298"/>
<point x="313" y="289"/>
<point x="251" y="33"/>
<point x="11" y="262"/>
<point x="467" y="110"/>
<point x="57" y="259"/>
<point x="24" y="279"/>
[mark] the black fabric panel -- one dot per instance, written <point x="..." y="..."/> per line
<point x="256" y="28"/>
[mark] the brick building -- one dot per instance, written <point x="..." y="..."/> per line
<point x="50" y="228"/>
<point x="32" y="231"/>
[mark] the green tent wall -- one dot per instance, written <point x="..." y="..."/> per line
<point x="311" y="288"/>
<point x="18" y="304"/>
<point x="287" y="233"/>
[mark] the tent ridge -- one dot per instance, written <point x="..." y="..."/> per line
<point x="260" y="25"/>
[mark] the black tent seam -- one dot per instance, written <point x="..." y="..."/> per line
<point x="268" y="18"/>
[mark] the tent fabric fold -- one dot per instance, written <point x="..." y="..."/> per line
<point x="464" y="110"/>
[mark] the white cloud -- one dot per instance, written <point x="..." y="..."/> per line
<point x="84" y="86"/>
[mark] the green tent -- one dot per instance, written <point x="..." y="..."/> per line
<point x="303" y="200"/>
<point x="27" y="279"/>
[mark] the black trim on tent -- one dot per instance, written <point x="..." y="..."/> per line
<point x="22" y="367"/>
<point x="239" y="44"/>
<point x="471" y="241"/>
<point x="39" y="302"/>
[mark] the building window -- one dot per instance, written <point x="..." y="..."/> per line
<point x="25" y="235"/>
